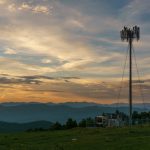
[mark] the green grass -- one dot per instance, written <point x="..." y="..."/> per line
<point x="136" y="138"/>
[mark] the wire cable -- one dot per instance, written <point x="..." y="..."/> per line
<point x="122" y="78"/>
<point x="139" y="79"/>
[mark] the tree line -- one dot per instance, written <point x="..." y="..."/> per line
<point x="70" y="123"/>
<point x="137" y="117"/>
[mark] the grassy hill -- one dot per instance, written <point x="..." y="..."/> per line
<point x="136" y="138"/>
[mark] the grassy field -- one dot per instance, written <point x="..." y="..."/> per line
<point x="137" y="138"/>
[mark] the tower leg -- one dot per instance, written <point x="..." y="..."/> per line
<point x="130" y="83"/>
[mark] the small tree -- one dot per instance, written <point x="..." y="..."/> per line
<point x="82" y="123"/>
<point x="90" y="122"/>
<point x="56" y="126"/>
<point x="71" y="123"/>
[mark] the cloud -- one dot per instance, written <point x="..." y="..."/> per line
<point x="15" y="6"/>
<point x="10" y="51"/>
<point x="76" y="23"/>
<point x="46" y="61"/>
<point x="35" y="9"/>
<point x="41" y="9"/>
<point x="78" y="64"/>
<point x="35" y="77"/>
<point x="40" y="77"/>
<point x="25" y="6"/>
<point x="4" y="80"/>
<point x="12" y="7"/>
<point x="3" y="2"/>
<point x="14" y="67"/>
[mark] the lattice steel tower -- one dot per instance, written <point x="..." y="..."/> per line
<point x="129" y="34"/>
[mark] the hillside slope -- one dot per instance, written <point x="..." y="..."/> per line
<point x="137" y="138"/>
<point x="17" y="127"/>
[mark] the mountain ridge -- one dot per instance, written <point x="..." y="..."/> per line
<point x="28" y="112"/>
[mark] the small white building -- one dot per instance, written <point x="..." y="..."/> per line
<point x="107" y="121"/>
<point x="101" y="121"/>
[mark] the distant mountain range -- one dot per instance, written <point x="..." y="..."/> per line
<point x="78" y="104"/>
<point x="29" y="112"/>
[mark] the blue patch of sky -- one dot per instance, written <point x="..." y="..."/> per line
<point x="65" y="73"/>
<point x="144" y="17"/>
<point x="96" y="7"/>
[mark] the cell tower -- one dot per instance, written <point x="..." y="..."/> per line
<point x="129" y="34"/>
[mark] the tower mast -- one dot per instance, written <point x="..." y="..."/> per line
<point x="129" y="35"/>
<point x="130" y="82"/>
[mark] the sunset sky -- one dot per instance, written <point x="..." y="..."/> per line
<point x="70" y="50"/>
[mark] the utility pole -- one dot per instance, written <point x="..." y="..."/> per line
<point x="128" y="34"/>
